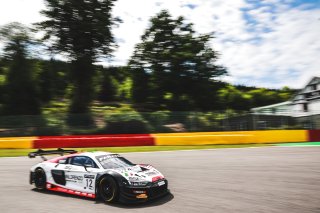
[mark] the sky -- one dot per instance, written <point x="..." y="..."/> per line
<point x="263" y="43"/>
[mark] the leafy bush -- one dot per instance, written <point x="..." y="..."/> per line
<point x="157" y="120"/>
<point x="126" y="123"/>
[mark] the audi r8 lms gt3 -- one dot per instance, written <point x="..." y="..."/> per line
<point x="103" y="175"/>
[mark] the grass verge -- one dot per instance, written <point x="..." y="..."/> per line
<point x="24" y="152"/>
<point x="299" y="144"/>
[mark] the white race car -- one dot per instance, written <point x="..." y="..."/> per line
<point x="97" y="174"/>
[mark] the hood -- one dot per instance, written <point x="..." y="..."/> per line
<point x="140" y="173"/>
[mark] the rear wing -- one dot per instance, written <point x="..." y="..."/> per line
<point x="59" y="151"/>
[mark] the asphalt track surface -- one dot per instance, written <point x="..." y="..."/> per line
<point x="267" y="179"/>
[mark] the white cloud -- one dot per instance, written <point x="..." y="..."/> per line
<point x="278" y="47"/>
<point x="23" y="11"/>
<point x="285" y="55"/>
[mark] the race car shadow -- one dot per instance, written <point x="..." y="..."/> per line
<point x="156" y="202"/>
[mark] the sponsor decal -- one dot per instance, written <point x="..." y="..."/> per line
<point x="139" y="192"/>
<point x="74" y="178"/>
<point x="161" y="183"/>
<point x="136" y="169"/>
<point x="147" y="166"/>
<point x="106" y="157"/>
<point x="151" y="173"/>
<point x="134" y="179"/>
<point x="89" y="176"/>
<point x="89" y="181"/>
<point x="142" y="196"/>
<point x="68" y="167"/>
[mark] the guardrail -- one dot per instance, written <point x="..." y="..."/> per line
<point x="167" y="139"/>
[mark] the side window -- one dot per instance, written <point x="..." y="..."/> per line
<point x="82" y="160"/>
<point x="78" y="160"/>
<point x="90" y="162"/>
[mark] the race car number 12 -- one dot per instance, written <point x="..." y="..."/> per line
<point x="89" y="183"/>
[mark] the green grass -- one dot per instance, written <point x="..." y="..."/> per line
<point x="299" y="144"/>
<point x="24" y="152"/>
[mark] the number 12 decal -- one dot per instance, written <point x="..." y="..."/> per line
<point x="89" y="183"/>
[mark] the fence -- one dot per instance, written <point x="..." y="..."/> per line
<point x="149" y="122"/>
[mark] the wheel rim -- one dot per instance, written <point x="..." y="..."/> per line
<point x="107" y="190"/>
<point x="40" y="179"/>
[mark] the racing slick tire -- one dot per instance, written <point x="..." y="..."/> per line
<point x="40" y="179"/>
<point x="108" y="189"/>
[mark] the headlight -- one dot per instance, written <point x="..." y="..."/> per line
<point x="139" y="183"/>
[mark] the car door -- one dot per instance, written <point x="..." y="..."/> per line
<point x="80" y="177"/>
<point x="58" y="173"/>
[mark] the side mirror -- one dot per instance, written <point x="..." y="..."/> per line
<point x="62" y="161"/>
<point x="88" y="165"/>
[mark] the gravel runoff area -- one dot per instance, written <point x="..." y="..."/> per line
<point x="264" y="179"/>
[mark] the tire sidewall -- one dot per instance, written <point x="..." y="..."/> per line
<point x="115" y="191"/>
<point x="40" y="185"/>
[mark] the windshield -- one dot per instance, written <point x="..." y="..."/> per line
<point x="113" y="161"/>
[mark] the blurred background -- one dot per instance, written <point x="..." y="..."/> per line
<point x="82" y="68"/>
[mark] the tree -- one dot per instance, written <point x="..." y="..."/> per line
<point x="21" y="95"/>
<point x="80" y="29"/>
<point x="174" y="64"/>
<point x="53" y="79"/>
<point x="140" y="84"/>
<point x="47" y="82"/>
<point x="232" y="98"/>
<point x="286" y="93"/>
<point x="109" y="86"/>
<point x="263" y="97"/>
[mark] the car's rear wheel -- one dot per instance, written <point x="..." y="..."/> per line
<point x="40" y="179"/>
<point x="108" y="189"/>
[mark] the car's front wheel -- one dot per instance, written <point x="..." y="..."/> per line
<point x="108" y="189"/>
<point x="40" y="179"/>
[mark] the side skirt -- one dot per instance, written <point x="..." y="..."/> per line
<point x="55" y="188"/>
